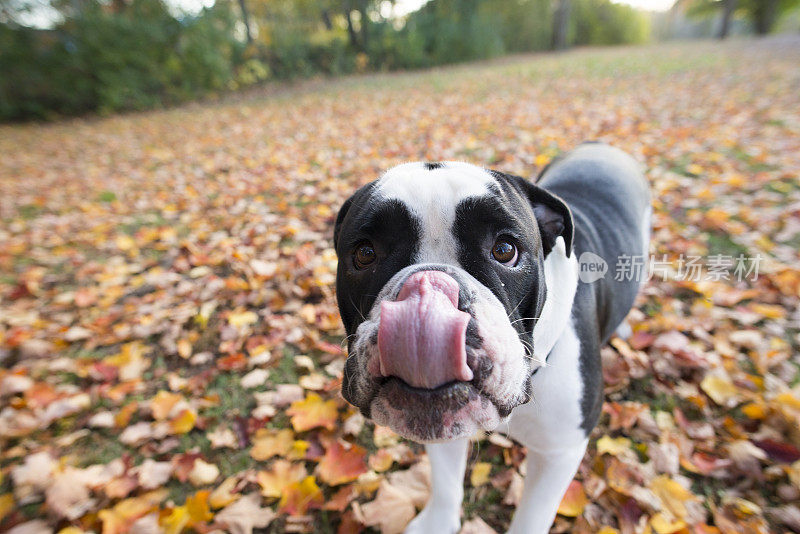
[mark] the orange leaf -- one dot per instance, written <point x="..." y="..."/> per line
<point x="574" y="500"/>
<point x="341" y="465"/>
<point x="300" y="496"/>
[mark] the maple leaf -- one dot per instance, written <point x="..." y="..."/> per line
<point x="268" y="443"/>
<point x="245" y="514"/>
<point x="282" y="474"/>
<point x="299" y="497"/>
<point x="342" y="464"/>
<point x="313" y="412"/>
<point x="391" y="510"/>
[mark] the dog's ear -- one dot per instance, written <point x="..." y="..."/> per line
<point x="337" y="227"/>
<point x="553" y="216"/>
<point x="359" y="195"/>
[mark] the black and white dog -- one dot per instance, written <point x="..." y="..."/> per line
<point x="459" y="291"/>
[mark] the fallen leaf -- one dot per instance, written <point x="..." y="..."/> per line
<point x="342" y="464"/>
<point x="313" y="412"/>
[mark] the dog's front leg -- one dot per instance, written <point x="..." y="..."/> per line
<point x="548" y="476"/>
<point x="442" y="514"/>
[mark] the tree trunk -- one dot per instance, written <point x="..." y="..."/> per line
<point x="326" y="20"/>
<point x="351" y="31"/>
<point x="364" y="25"/>
<point x="728" y="7"/>
<point x="246" y="21"/>
<point x="561" y="24"/>
<point x="764" y="16"/>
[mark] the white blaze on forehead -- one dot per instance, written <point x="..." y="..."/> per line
<point x="432" y="197"/>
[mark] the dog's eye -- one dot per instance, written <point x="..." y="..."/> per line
<point x="364" y="255"/>
<point x="504" y="251"/>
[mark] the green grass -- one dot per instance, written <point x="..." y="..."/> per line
<point x="722" y="244"/>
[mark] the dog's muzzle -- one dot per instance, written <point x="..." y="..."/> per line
<point x="422" y="333"/>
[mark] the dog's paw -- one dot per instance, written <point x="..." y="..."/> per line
<point x="434" y="521"/>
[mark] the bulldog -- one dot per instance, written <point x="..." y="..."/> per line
<point x="460" y="291"/>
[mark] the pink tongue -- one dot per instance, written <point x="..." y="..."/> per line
<point x="421" y="338"/>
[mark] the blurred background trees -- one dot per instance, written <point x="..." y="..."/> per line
<point x="64" y="57"/>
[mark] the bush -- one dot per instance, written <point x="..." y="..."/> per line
<point x="136" y="54"/>
<point x="140" y="58"/>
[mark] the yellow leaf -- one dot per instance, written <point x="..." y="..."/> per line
<point x="671" y="494"/>
<point x="541" y="160"/>
<point x="282" y="474"/>
<point x="125" y="242"/>
<point x="183" y="422"/>
<point x="223" y="495"/>
<point x="746" y="507"/>
<point x="298" y="450"/>
<point x="695" y="169"/>
<point x="788" y="400"/>
<point x="613" y="446"/>
<point x="197" y="506"/>
<point x="770" y="311"/>
<point x="242" y="318"/>
<point x="480" y="474"/>
<point x="176" y="521"/>
<point x="71" y="530"/>
<point x="162" y="404"/>
<point x="313" y="412"/>
<point x="664" y="525"/>
<point x="720" y="389"/>
<point x="6" y="504"/>
<point x="268" y="443"/>
<point x="755" y="410"/>
<point x="118" y="519"/>
<point x="300" y="496"/>
<point x="574" y="500"/>
<point x="608" y="530"/>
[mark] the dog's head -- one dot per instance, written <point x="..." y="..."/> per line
<point x="441" y="281"/>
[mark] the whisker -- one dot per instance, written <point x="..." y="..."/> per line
<point x="525" y="319"/>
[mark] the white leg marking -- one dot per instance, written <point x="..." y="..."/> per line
<point x="442" y="514"/>
<point x="550" y="427"/>
<point x="548" y="476"/>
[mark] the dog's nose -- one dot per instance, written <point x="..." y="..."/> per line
<point x="421" y="337"/>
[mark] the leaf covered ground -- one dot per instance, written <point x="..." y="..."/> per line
<point x="172" y="353"/>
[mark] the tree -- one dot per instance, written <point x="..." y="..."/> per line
<point x="727" y="14"/>
<point x="246" y="21"/>
<point x="561" y="24"/>
<point x="762" y="14"/>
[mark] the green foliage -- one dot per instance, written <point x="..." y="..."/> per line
<point x="137" y="54"/>
<point x="104" y="61"/>
<point x="599" y="22"/>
